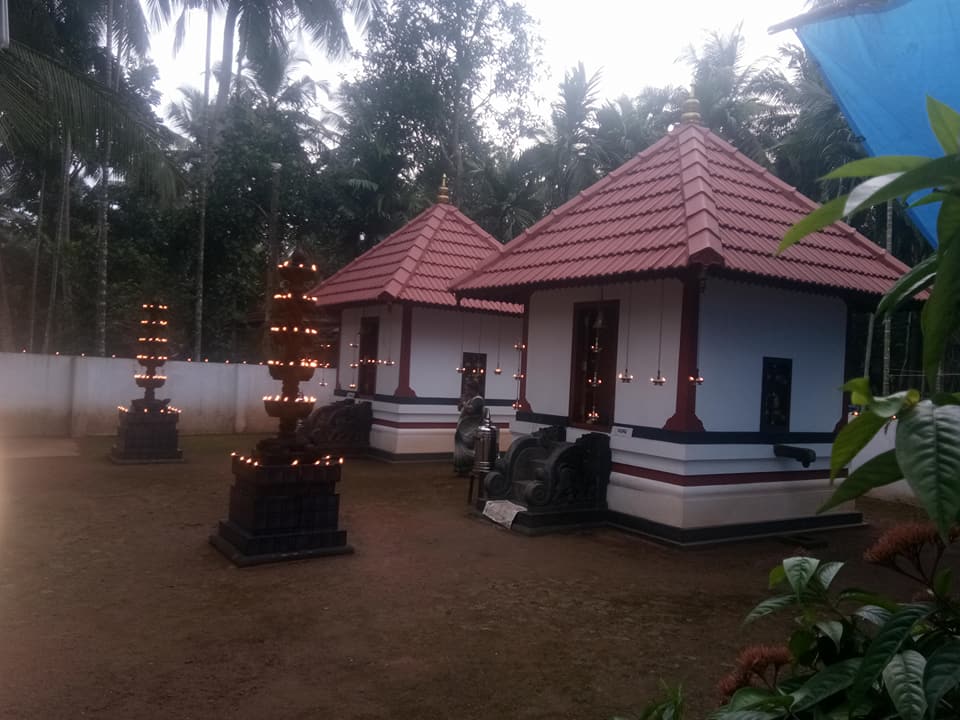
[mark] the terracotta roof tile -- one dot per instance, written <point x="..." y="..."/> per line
<point x="416" y="264"/>
<point x="691" y="198"/>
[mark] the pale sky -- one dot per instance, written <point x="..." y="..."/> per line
<point x="634" y="43"/>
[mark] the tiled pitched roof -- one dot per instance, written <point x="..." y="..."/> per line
<point x="416" y="264"/>
<point x="689" y="199"/>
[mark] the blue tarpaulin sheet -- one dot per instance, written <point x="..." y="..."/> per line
<point x="881" y="62"/>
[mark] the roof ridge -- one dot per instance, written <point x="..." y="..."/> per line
<point x="374" y="250"/>
<point x="790" y="191"/>
<point x="704" y="243"/>
<point x="558" y="212"/>
<point x="417" y="250"/>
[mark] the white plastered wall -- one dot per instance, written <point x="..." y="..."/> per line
<point x="740" y="324"/>
<point x="550" y="338"/>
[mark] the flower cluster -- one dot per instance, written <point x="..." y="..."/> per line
<point x="753" y="664"/>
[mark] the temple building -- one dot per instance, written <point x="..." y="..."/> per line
<point x="658" y="312"/>
<point x="407" y="346"/>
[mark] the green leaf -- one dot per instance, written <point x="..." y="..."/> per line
<point x="873" y="166"/>
<point x="874" y="614"/>
<point x="826" y="683"/>
<point x="929" y="199"/>
<point x="948" y="223"/>
<point x="945" y="122"/>
<point x="868" y="598"/>
<point x="827" y="572"/>
<point x="887" y="643"/>
<point x="723" y="714"/>
<point x="817" y="220"/>
<point x="875" y="472"/>
<point x="940" y="172"/>
<point x="942" y="674"/>
<point x="802" y="642"/>
<point x="777" y="576"/>
<point x="859" y="389"/>
<point x="833" y="629"/>
<point x="753" y="698"/>
<point x="799" y="570"/>
<point x="852" y="438"/>
<point x="928" y="452"/>
<point x="769" y="606"/>
<point x="916" y="280"/>
<point x="903" y="679"/>
<point x="887" y="407"/>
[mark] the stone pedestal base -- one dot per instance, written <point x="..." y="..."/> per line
<point x="282" y="510"/>
<point x="147" y="437"/>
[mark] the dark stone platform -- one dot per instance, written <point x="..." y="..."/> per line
<point x="147" y="437"/>
<point x="282" y="510"/>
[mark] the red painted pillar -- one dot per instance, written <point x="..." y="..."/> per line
<point x="406" y="331"/>
<point x="522" y="400"/>
<point x="685" y="417"/>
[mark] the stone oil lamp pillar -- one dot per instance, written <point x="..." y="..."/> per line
<point x="283" y="503"/>
<point x="147" y="430"/>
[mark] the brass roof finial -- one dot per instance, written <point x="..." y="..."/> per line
<point x="444" y="195"/>
<point x="690" y="114"/>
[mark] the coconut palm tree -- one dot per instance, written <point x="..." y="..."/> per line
<point x="625" y="126"/>
<point x="51" y="98"/>
<point x="264" y="23"/>
<point x="736" y="101"/>
<point x="567" y="154"/>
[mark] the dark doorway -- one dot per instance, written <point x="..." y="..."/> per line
<point x="775" y="394"/>
<point x="367" y="370"/>
<point x="594" y="371"/>
<point x="473" y="382"/>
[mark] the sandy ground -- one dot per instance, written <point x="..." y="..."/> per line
<point x="113" y="604"/>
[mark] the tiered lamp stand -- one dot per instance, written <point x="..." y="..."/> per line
<point x="283" y="503"/>
<point x="147" y="430"/>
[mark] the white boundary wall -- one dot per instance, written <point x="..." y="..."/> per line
<point x="56" y="395"/>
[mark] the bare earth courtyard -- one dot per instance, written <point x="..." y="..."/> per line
<point x="114" y="605"/>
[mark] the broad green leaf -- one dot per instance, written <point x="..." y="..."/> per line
<point x="946" y="399"/>
<point x="942" y="673"/>
<point x="940" y="172"/>
<point x="918" y="279"/>
<point x="833" y="629"/>
<point x="887" y="407"/>
<point x="753" y="698"/>
<point x="777" y="576"/>
<point x="945" y="123"/>
<point x="928" y="452"/>
<point x="852" y="438"/>
<point x="722" y="714"/>
<point x="827" y="572"/>
<point x="820" y="218"/>
<point x="868" y="598"/>
<point x="826" y="683"/>
<point x="799" y="570"/>
<point x="859" y="389"/>
<point x="873" y="166"/>
<point x="948" y="223"/>
<point x="887" y="643"/>
<point x="768" y="606"/>
<point x="866" y="190"/>
<point x="802" y="643"/>
<point x="903" y="679"/>
<point x="929" y="199"/>
<point x="874" y="614"/>
<point x="875" y="472"/>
